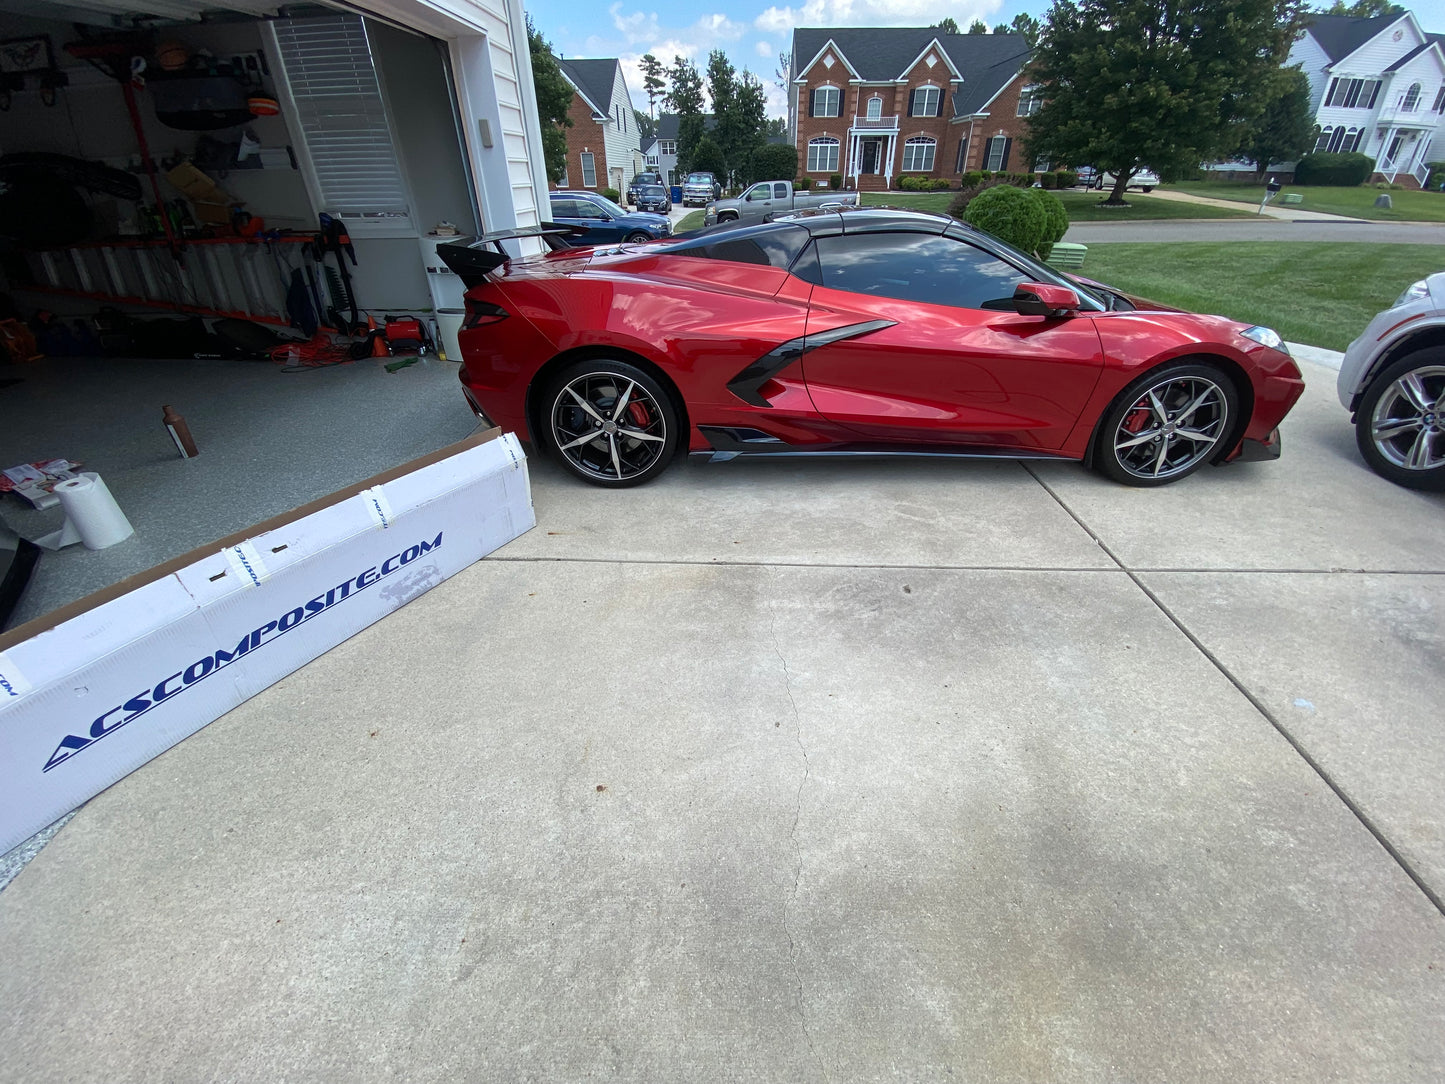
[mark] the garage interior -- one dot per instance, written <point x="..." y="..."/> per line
<point x="162" y="182"/>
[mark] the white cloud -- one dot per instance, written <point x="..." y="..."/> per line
<point x="776" y="20"/>
<point x="764" y="49"/>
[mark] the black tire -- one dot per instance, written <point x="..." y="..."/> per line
<point x="621" y="452"/>
<point x="1400" y="423"/>
<point x="726" y="218"/>
<point x="1138" y="447"/>
<point x="636" y="237"/>
<point x="1146" y="188"/>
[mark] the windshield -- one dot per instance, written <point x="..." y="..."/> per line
<point x="699" y="178"/>
<point x="652" y="190"/>
<point x="610" y="207"/>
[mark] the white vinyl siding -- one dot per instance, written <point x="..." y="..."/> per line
<point x="918" y="154"/>
<point x="338" y="107"/>
<point x="822" y="155"/>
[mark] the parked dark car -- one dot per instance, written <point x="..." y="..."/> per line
<point x="654" y="197"/>
<point x="638" y="180"/>
<point x="604" y="220"/>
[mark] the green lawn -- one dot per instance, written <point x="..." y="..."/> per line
<point x="1319" y="293"/>
<point x="1082" y="206"/>
<point x="1410" y="205"/>
<point x="691" y="221"/>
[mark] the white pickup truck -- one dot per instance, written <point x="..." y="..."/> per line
<point x="769" y="198"/>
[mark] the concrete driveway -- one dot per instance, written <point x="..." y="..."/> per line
<point x="807" y="771"/>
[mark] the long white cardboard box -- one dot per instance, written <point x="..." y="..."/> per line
<point x="92" y="692"/>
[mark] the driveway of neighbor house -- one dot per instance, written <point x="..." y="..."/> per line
<point x="807" y="770"/>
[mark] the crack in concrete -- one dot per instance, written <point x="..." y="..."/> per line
<point x="793" y="835"/>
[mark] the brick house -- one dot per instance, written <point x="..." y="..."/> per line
<point x="603" y="148"/>
<point x="875" y="103"/>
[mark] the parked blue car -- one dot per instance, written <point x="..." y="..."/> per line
<point x="605" y="221"/>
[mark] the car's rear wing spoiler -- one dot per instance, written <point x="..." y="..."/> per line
<point x="473" y="257"/>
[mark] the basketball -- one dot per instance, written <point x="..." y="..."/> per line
<point x="172" y="56"/>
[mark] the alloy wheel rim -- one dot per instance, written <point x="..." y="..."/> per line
<point x="1408" y="422"/>
<point x="608" y="426"/>
<point x="1171" y="427"/>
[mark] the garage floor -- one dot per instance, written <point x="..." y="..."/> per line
<point x="269" y="441"/>
<point x="807" y="771"/>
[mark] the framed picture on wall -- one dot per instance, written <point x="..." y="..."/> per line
<point x="21" y="56"/>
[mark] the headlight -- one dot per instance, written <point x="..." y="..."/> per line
<point x="1265" y="337"/>
<point x="1416" y="291"/>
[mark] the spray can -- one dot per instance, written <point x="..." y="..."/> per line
<point x="180" y="432"/>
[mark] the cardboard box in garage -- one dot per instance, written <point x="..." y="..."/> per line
<point x="98" y="688"/>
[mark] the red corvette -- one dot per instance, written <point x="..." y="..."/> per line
<point x="866" y="331"/>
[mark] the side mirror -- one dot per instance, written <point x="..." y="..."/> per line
<point x="1044" y="299"/>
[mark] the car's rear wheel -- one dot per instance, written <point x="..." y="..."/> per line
<point x="1166" y="425"/>
<point x="610" y="423"/>
<point x="1400" y="423"/>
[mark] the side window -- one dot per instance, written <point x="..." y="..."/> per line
<point x="588" y="210"/>
<point x="780" y="191"/>
<point x="917" y="267"/>
<point x="759" y="191"/>
<point x="564" y="208"/>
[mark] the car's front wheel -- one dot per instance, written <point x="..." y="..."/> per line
<point x="610" y="423"/>
<point x="1400" y="423"/>
<point x="1166" y="425"/>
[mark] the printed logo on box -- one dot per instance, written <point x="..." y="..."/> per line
<point x="12" y="682"/>
<point x="218" y="660"/>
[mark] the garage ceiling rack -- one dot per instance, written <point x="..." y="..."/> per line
<point x="232" y="277"/>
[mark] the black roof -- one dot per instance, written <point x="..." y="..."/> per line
<point x="667" y="125"/>
<point x="1341" y="35"/>
<point x="594" y="78"/>
<point x="1430" y="39"/>
<point x="880" y="53"/>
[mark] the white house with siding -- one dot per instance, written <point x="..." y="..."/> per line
<point x="1377" y="86"/>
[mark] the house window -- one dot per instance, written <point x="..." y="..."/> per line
<point x="1030" y="98"/>
<point x="667" y="148"/>
<point x="1353" y="93"/>
<point x="1322" y="141"/>
<point x="918" y="154"/>
<point x="825" y="102"/>
<point x="652" y="161"/>
<point x="923" y="102"/>
<point x="338" y="106"/>
<point x="1041" y="166"/>
<point x="1439" y="106"/>
<point x="1340" y="140"/>
<point x="996" y="156"/>
<point x="1412" y="99"/>
<point x="875" y="107"/>
<point x="589" y="170"/>
<point x="962" y="154"/>
<point x="823" y="155"/>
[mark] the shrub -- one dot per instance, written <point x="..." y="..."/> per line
<point x="971" y="178"/>
<point x="1010" y="214"/>
<point x="1340" y="169"/>
<point x="1056" y="219"/>
<point x="966" y="195"/>
<point x="1436" y="175"/>
<point x="805" y="184"/>
<point x="612" y="194"/>
<point x="1049" y="180"/>
<point x="835" y="181"/>
<point x="941" y="184"/>
<point x="913" y="183"/>
<point x="1068" y="178"/>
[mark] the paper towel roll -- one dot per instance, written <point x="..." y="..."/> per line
<point x="91" y="515"/>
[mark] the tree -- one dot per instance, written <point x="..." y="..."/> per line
<point x="978" y="26"/>
<point x="1028" y="26"/>
<point x="653" y="85"/>
<point x="1285" y="130"/>
<point x="946" y="25"/>
<point x="1134" y="83"/>
<point x="775" y="127"/>
<point x="727" y="130"/>
<point x="1364" y="9"/>
<point x="749" y="114"/>
<point x="646" y="126"/>
<point x="773" y="162"/>
<point x="554" y="99"/>
<point x="784" y="71"/>
<point x="707" y="156"/>
<point x="685" y="99"/>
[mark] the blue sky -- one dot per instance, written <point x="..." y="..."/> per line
<point x="753" y="32"/>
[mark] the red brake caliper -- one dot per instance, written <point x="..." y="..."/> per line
<point x="1137" y="418"/>
<point x="639" y="415"/>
